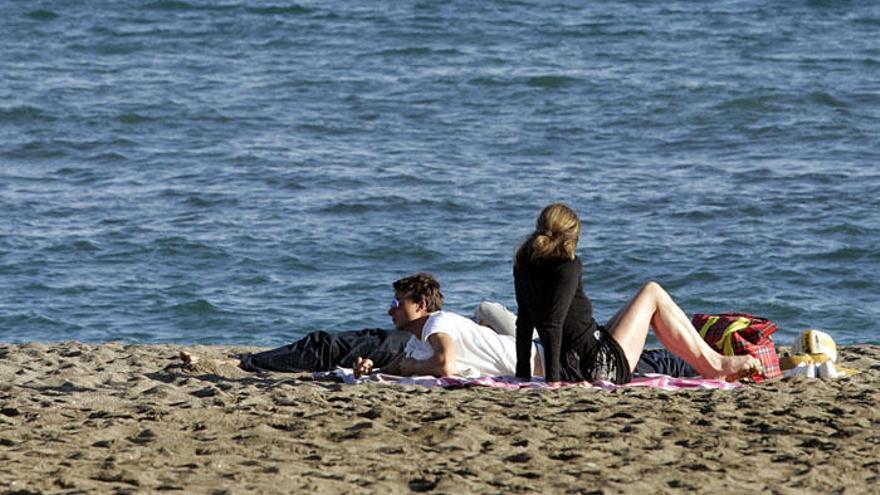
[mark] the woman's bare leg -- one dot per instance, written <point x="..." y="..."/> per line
<point x="653" y="307"/>
<point x="614" y="319"/>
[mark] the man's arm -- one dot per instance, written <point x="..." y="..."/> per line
<point x="441" y="363"/>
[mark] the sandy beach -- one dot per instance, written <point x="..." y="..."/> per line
<point x="115" y="418"/>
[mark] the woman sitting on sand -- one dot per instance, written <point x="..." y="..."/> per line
<point x="551" y="298"/>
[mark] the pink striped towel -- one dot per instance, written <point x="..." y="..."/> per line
<point x="663" y="382"/>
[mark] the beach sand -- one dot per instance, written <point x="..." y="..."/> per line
<point x="115" y="418"/>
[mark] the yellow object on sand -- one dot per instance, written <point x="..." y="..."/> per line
<point x="817" y="365"/>
<point x="789" y="362"/>
<point x="816" y="342"/>
<point x="848" y="371"/>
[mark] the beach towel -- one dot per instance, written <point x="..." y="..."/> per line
<point x="663" y="382"/>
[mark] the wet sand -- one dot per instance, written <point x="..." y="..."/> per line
<point x="116" y="418"/>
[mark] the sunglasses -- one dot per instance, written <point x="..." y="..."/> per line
<point x="394" y="303"/>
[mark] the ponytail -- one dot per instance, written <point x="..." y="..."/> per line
<point x="555" y="236"/>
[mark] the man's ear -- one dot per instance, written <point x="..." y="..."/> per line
<point x="423" y="306"/>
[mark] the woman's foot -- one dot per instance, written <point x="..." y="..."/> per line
<point x="735" y="368"/>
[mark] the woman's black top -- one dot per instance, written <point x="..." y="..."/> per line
<point x="551" y="298"/>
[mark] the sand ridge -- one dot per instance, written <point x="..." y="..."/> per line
<point x="116" y="418"/>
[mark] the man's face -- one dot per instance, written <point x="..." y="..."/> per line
<point x="403" y="312"/>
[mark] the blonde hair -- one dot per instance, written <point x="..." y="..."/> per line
<point x="555" y="237"/>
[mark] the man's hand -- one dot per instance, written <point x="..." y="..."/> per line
<point x="362" y="366"/>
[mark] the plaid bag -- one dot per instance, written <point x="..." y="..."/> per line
<point x="741" y="333"/>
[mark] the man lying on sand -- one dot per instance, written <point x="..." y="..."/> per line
<point x="465" y="347"/>
<point x="324" y="351"/>
<point x="444" y="343"/>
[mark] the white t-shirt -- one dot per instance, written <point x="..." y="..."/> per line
<point x="479" y="351"/>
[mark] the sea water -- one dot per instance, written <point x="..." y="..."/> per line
<point x="244" y="172"/>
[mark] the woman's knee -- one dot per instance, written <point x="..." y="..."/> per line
<point x="652" y="287"/>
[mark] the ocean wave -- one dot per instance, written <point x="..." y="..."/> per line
<point x="57" y="148"/>
<point x="418" y="51"/>
<point x="74" y="245"/>
<point x="846" y="230"/>
<point x="391" y="204"/>
<point x="210" y="200"/>
<point x="23" y="327"/>
<point x="290" y="9"/>
<point x="552" y="81"/>
<point x="490" y="81"/>
<point x="169" y="5"/>
<point x="133" y="118"/>
<point x="24" y="114"/>
<point x="297" y="264"/>
<point x="412" y="252"/>
<point x="108" y="157"/>
<point x="76" y="173"/>
<point x="198" y="307"/>
<point x="42" y="15"/>
<point x="329" y="129"/>
<point x="826" y="99"/>
<point x="34" y="150"/>
<point x="183" y="248"/>
<point x="759" y="103"/>
<point x="106" y="48"/>
<point x="868" y="20"/>
<point x="848" y="253"/>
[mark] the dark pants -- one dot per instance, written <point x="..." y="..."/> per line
<point x="324" y="351"/>
<point x="658" y="361"/>
<point x="665" y="363"/>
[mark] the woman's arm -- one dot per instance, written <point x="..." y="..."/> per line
<point x="562" y="291"/>
<point x="524" y="330"/>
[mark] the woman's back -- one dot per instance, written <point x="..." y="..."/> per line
<point x="550" y="296"/>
